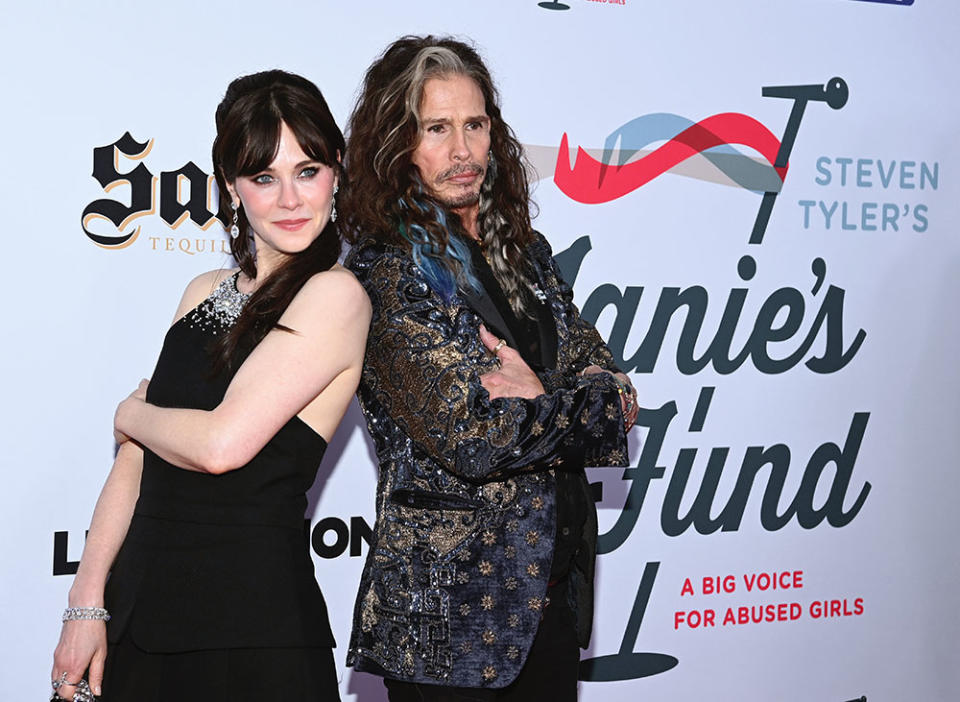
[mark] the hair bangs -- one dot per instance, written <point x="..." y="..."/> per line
<point x="257" y="148"/>
<point x="310" y="135"/>
<point x="258" y="137"/>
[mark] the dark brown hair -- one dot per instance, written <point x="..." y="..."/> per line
<point x="386" y="192"/>
<point x="249" y="121"/>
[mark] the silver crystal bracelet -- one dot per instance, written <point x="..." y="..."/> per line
<point x="74" y="613"/>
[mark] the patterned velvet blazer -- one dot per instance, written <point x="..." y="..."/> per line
<point x="453" y="586"/>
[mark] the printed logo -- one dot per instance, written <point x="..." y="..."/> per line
<point x="822" y="489"/>
<point x="616" y="173"/>
<point x="857" y="194"/>
<point x="185" y="193"/>
<point x="564" y="6"/>
<point x="330" y="537"/>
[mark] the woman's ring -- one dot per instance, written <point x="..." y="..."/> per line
<point x="61" y="681"/>
<point x="500" y="345"/>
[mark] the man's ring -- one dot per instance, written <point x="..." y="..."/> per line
<point x="500" y="345"/>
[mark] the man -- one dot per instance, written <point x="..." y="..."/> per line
<point x="485" y="393"/>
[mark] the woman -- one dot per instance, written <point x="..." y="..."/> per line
<point x="212" y="595"/>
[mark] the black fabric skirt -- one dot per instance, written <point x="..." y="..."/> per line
<point x="222" y="675"/>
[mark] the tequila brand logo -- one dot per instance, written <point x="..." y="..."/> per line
<point x="185" y="193"/>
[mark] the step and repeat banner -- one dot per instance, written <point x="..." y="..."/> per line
<point x="757" y="204"/>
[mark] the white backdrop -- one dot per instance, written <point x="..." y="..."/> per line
<point x="862" y="238"/>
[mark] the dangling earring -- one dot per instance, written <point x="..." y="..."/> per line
<point x="491" y="165"/>
<point x="486" y="187"/>
<point x="333" y="209"/>
<point x="235" y="229"/>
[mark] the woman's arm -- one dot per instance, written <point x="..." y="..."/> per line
<point x="83" y="643"/>
<point x="282" y="376"/>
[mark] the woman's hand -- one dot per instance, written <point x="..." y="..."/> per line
<point x="82" y="647"/>
<point x="138" y="395"/>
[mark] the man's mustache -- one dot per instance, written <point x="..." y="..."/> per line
<point x="462" y="169"/>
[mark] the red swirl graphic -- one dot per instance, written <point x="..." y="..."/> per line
<point x="594" y="182"/>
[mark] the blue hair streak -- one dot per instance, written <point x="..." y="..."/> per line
<point x="444" y="268"/>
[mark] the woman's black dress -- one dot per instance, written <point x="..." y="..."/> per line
<point x="213" y="594"/>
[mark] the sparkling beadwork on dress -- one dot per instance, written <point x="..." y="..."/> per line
<point x="220" y="311"/>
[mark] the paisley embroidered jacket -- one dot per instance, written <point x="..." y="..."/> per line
<point x="453" y="586"/>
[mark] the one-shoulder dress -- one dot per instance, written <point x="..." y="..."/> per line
<point x="213" y="594"/>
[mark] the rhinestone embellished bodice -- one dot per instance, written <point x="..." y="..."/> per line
<point x="221" y="310"/>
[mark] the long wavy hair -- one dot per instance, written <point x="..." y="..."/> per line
<point x="249" y="121"/>
<point x="386" y="197"/>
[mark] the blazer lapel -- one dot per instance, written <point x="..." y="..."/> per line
<point x="548" y="335"/>
<point x="546" y="322"/>
<point x="480" y="303"/>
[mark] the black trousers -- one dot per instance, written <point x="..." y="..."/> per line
<point x="549" y="674"/>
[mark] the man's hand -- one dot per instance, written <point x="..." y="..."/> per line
<point x="514" y="379"/>
<point x="628" y="395"/>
